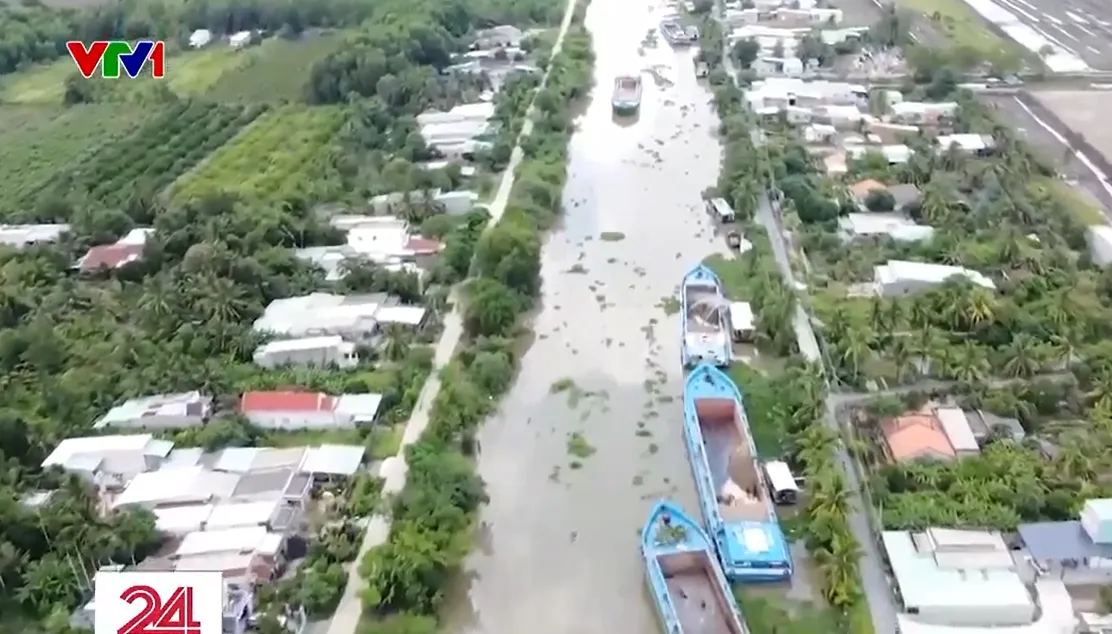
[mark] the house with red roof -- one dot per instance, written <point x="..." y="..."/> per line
<point x="296" y="409"/>
<point x="107" y="257"/>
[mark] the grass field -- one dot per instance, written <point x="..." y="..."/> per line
<point x="281" y="154"/>
<point x="276" y="70"/>
<point x="39" y="141"/>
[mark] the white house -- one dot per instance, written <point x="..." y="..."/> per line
<point x="742" y="322"/>
<point x="240" y="39"/>
<point x="503" y="36"/>
<point x="200" y="38"/>
<point x="316" y="351"/>
<point x="875" y="224"/>
<point x="921" y="112"/>
<point x="958" y="432"/>
<point x="19" y="236"/>
<point x="900" y="277"/>
<point x="162" y="411"/>
<point x="963" y="578"/>
<point x="968" y="143"/>
<point x="109" y="460"/>
<point x="894" y="154"/>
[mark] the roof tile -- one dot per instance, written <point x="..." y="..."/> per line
<point x="289" y="401"/>
<point x="916" y="436"/>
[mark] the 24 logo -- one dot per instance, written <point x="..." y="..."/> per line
<point x="173" y="617"/>
<point x="131" y="602"/>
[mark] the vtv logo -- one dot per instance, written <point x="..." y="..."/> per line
<point x="113" y="55"/>
<point x="158" y="602"/>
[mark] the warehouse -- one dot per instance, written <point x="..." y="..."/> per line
<point x="958" y="578"/>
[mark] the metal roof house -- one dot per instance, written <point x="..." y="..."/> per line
<point x="899" y="277"/>
<point x="110" y="461"/>
<point x="958" y="578"/>
<point x="19" y="236"/>
<point x="162" y="411"/>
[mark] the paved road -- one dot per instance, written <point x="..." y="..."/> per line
<point x="346" y="618"/>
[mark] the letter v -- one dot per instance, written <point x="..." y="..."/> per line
<point x="86" y="57"/>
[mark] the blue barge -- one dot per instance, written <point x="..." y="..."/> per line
<point x="705" y="319"/>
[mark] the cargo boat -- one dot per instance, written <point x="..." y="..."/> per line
<point x="735" y="500"/>
<point x="677" y="34"/>
<point x="627" y="95"/>
<point x="705" y="319"/>
<point x="690" y="593"/>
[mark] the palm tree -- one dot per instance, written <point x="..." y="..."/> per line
<point x="902" y="354"/>
<point x="396" y="343"/>
<point x="1022" y="357"/>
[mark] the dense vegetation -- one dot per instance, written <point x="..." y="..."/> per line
<point x="434" y="516"/>
<point x="793" y="406"/>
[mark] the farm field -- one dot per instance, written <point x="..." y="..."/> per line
<point x="156" y="153"/>
<point x="275" y="70"/>
<point x="281" y="154"/>
<point x="38" y="141"/>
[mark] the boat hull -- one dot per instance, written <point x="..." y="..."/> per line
<point x="626" y="99"/>
<point x="750" y="551"/>
<point x="695" y="542"/>
<point x="696" y="348"/>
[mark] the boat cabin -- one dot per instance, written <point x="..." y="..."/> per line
<point x="742" y="324"/>
<point x="702" y="69"/>
<point x="721" y="210"/>
<point x="781" y="483"/>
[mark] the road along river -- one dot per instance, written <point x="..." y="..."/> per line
<point x="560" y="535"/>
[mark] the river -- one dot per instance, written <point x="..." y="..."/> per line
<point x="559" y="539"/>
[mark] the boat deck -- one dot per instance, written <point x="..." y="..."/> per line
<point x="733" y="470"/>
<point x="699" y="605"/>
<point x="704" y="314"/>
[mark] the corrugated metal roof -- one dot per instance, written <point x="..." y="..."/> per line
<point x="333" y="459"/>
<point x="957" y="429"/>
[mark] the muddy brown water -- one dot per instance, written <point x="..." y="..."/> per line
<point x="559" y="551"/>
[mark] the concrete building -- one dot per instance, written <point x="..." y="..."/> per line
<point x="19" y="236"/>
<point x="893" y="154"/>
<point x="899" y="277"/>
<point x="978" y="144"/>
<point x="454" y="203"/>
<point x="503" y="36"/>
<point x="124" y="251"/>
<point x="922" y="113"/>
<point x="309" y="410"/>
<point x="314" y="351"/>
<point x="891" y="225"/>
<point x="742" y="322"/>
<point x="109" y="461"/>
<point x="241" y="39"/>
<point x="163" y="411"/>
<point x="200" y="38"/>
<point x="958" y="578"/>
<point x="781" y="92"/>
<point x="460" y="131"/>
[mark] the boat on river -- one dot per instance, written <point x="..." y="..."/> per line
<point x="736" y="503"/>
<point x="705" y="320"/>
<point x="626" y="99"/>
<point x="677" y="34"/>
<point x="688" y="588"/>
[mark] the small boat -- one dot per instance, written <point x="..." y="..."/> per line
<point x="706" y="331"/>
<point x="688" y="588"/>
<point x="741" y="517"/>
<point x="676" y="34"/>
<point x="627" y="95"/>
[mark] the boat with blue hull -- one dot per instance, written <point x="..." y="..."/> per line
<point x="690" y="592"/>
<point x="735" y="500"/>
<point x="706" y="320"/>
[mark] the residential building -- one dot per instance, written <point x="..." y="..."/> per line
<point x="880" y="224"/>
<point x="916" y="437"/>
<point x="957" y="431"/>
<point x="861" y="190"/>
<point x="162" y="411"/>
<point x="454" y="203"/>
<point x="124" y="251"/>
<point x="325" y="351"/>
<point x="1066" y="551"/>
<point x="19" y="236"/>
<point x="240" y="40"/>
<point x="814" y="16"/>
<point x="334" y="260"/>
<point x="200" y="38"/>
<point x="109" y="461"/>
<point x="900" y="277"/>
<point x="962" y="578"/>
<point x="781" y="92"/>
<point x="308" y="410"/>
<point x="894" y="154"/>
<point x="983" y="424"/>
<point x="503" y="36"/>
<point x="820" y="133"/>
<point x="356" y="318"/>
<point x="457" y="131"/>
<point x="978" y="144"/>
<point x="922" y="113"/>
<point x="1100" y="244"/>
<point x="466" y="171"/>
